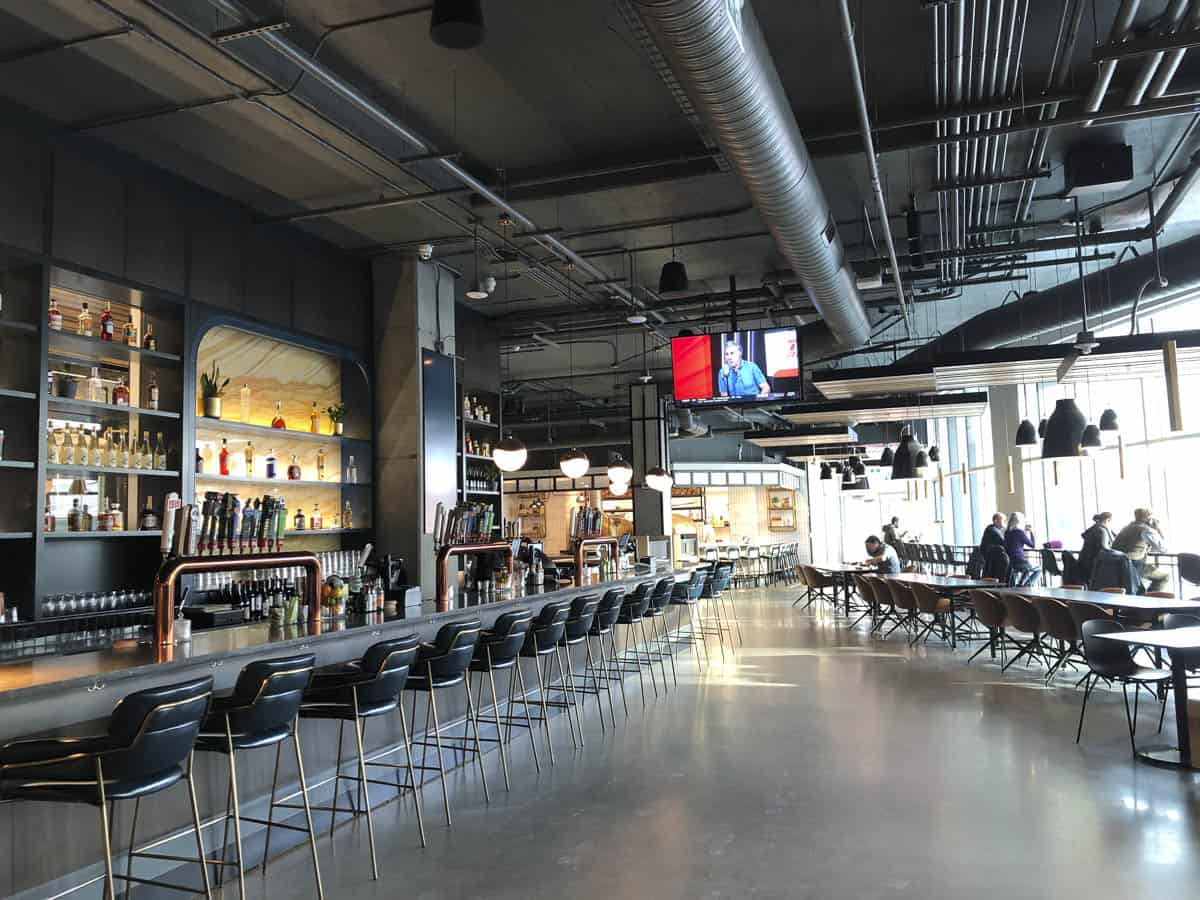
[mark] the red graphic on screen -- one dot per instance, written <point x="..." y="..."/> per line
<point x="691" y="360"/>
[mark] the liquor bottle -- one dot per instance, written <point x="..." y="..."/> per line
<point x="278" y="421"/>
<point x="120" y="394"/>
<point x="148" y="521"/>
<point x="49" y="520"/>
<point x="75" y="517"/>
<point x="99" y="448"/>
<point x="223" y="457"/>
<point x="298" y="522"/>
<point x="147" y="454"/>
<point x="270" y="461"/>
<point x="351" y="472"/>
<point x="117" y="516"/>
<point x="293" y="472"/>
<point x="244" y="396"/>
<point x="104" y="518"/>
<point x="347" y="516"/>
<point x="314" y="419"/>
<point x="52" y="455"/>
<point x="199" y="463"/>
<point x="84" y="326"/>
<point x="207" y="456"/>
<point x="249" y="452"/>
<point x="114" y="449"/>
<point x="135" y="453"/>
<point x="321" y="464"/>
<point x="131" y="336"/>
<point x="149" y="341"/>
<point x="55" y="316"/>
<point x="314" y="521"/>
<point x="107" y="326"/>
<point x="152" y="392"/>
<point x="160" y="453"/>
<point x="96" y="387"/>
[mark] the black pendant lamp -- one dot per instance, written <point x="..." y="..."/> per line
<point x="1064" y="431"/>
<point x="1041" y="429"/>
<point x="1091" y="438"/>
<point x="921" y="463"/>
<point x="858" y="484"/>
<point x="674" y="278"/>
<point x="457" y="24"/>
<point x="887" y="457"/>
<point x="1027" y="435"/>
<point x="935" y="455"/>
<point x="904" y="462"/>
<point x="1108" y="421"/>
<point x="826" y="472"/>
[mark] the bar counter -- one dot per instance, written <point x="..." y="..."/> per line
<point x="49" y="693"/>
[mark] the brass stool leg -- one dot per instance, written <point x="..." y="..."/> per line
<point x="520" y="676"/>
<point x="110" y="891"/>
<point x="137" y="806"/>
<point x="616" y="664"/>
<point x="237" y="811"/>
<point x="437" y="736"/>
<point x="275" y="788"/>
<point x="196" y="825"/>
<point x="496" y="719"/>
<point x="337" y="775"/>
<point x="537" y="664"/>
<point x="473" y="718"/>
<point x="312" y="835"/>
<point x="567" y="697"/>
<point x="362" y="774"/>
<point x="412" y="778"/>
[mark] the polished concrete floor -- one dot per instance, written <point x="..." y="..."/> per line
<point x="814" y="762"/>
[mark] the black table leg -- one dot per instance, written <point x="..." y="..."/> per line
<point x="1175" y="757"/>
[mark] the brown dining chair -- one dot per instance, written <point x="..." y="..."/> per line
<point x="866" y="590"/>
<point x="1022" y="617"/>
<point x="1161" y="595"/>
<point x="1113" y="590"/>
<point x="1074" y="587"/>
<point x="903" y="603"/>
<point x="885" y="605"/>
<point x="1059" y="626"/>
<point x="990" y="613"/>
<point x="929" y="603"/>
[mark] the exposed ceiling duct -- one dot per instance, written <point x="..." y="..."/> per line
<point x="717" y="52"/>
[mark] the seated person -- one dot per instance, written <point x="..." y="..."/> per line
<point x="883" y="556"/>
<point x="1138" y="540"/>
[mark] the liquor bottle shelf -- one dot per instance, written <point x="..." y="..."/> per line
<point x="15" y="535"/>
<point x="480" y="423"/>
<point x="99" y="535"/>
<point x="271" y="482"/>
<point x="476" y="456"/>
<point x="475" y="493"/>
<point x="15" y="464"/>
<point x="24" y="327"/>
<point x="85" y="406"/>
<point x="316" y="532"/>
<point x="111" y="470"/>
<point x="221" y="427"/>
<point x="17" y="395"/>
<point x="92" y="348"/>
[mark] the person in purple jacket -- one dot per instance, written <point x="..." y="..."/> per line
<point x="1017" y="539"/>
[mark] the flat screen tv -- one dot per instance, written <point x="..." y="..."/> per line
<point x="736" y="367"/>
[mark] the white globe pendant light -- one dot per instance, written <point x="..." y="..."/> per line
<point x="659" y="479"/>
<point x="574" y="464"/>
<point x="619" y="471"/>
<point x="510" y="454"/>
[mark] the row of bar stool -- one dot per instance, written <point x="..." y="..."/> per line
<point x="153" y="735"/>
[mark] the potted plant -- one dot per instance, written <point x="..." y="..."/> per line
<point x="336" y="413"/>
<point x="212" y="389"/>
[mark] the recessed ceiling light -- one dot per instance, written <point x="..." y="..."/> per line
<point x="636" y="318"/>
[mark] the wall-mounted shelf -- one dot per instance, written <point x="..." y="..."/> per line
<point x="17" y="395"/>
<point x="270" y="482"/>
<point x="111" y="470"/>
<point x="15" y="535"/>
<point x="224" y="427"/>
<point x="292" y="533"/>
<point x="471" y="493"/>
<point x="15" y="464"/>
<point x="479" y="423"/>
<point x="92" y="406"/>
<point x="20" y="327"/>
<point x="476" y="457"/>
<point x="99" y="535"/>
<point x="78" y="346"/>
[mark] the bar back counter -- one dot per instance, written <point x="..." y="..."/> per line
<point x="72" y="694"/>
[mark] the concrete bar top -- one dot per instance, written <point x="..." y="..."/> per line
<point x="50" y="693"/>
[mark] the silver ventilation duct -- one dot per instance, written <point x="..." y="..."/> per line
<point x="717" y="52"/>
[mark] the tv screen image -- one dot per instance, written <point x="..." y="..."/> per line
<point x="759" y="366"/>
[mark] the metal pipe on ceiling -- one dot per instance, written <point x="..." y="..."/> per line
<point x="864" y="118"/>
<point x="1122" y="26"/>
<point x="718" y="52"/>
<point x="354" y="97"/>
<point x="56" y="46"/>
<point x="1170" y="65"/>
<point x="1171" y="19"/>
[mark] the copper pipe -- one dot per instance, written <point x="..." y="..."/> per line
<point x="581" y="545"/>
<point x="170" y="571"/>
<point x="444" y="555"/>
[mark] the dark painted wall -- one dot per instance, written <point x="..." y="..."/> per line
<point x="88" y="206"/>
<point x="477" y="341"/>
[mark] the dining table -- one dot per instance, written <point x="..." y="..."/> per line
<point x="844" y="572"/>
<point x="1178" y="643"/>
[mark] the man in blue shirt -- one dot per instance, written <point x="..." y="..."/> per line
<point x="739" y="377"/>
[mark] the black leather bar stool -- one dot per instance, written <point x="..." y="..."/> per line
<point x="656" y="612"/>
<point x="499" y="648"/>
<point x="687" y="596"/>
<point x="148" y="747"/>
<point x="355" y="692"/>
<point x="633" y="617"/>
<point x="261" y="713"/>
<point x="603" y="624"/>
<point x="541" y="641"/>
<point x="575" y="632"/>
<point x="444" y="664"/>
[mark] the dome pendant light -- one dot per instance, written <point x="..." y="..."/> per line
<point x="1026" y="434"/>
<point x="1091" y="438"/>
<point x="905" y="458"/>
<point x="659" y="479"/>
<point x="1041" y="431"/>
<point x="826" y="472"/>
<point x="457" y="24"/>
<point x="887" y="457"/>
<point x="574" y="464"/>
<point x="1064" y="431"/>
<point x="1108" y="421"/>
<point x="619" y="471"/>
<point x="674" y="278"/>
<point x="510" y="454"/>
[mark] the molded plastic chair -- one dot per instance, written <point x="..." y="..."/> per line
<point x="1058" y="625"/>
<point x="1112" y="661"/>
<point x="1023" y="617"/>
<point x="930" y="603"/>
<point x="991" y="613"/>
<point x="903" y="603"/>
<point x="1189" y="658"/>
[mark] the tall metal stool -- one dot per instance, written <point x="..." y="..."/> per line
<point x="445" y="664"/>
<point x="355" y="692"/>
<point x="148" y="747"/>
<point x="261" y="713"/>
<point x="660" y="600"/>
<point x="541" y="643"/>
<point x="605" y="663"/>
<point x="687" y="596"/>
<point x="499" y="648"/>
<point x="575" y="632"/>
<point x="632" y="616"/>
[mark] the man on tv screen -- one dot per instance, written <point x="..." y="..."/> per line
<point x="740" y="377"/>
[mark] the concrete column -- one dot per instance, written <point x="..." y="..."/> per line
<point x="413" y="315"/>
<point x="651" y="447"/>
<point x="1006" y="416"/>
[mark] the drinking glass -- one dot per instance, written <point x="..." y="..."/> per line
<point x="49" y="606"/>
<point x="91" y="603"/>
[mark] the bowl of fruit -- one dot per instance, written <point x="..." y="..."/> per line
<point x="333" y="596"/>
